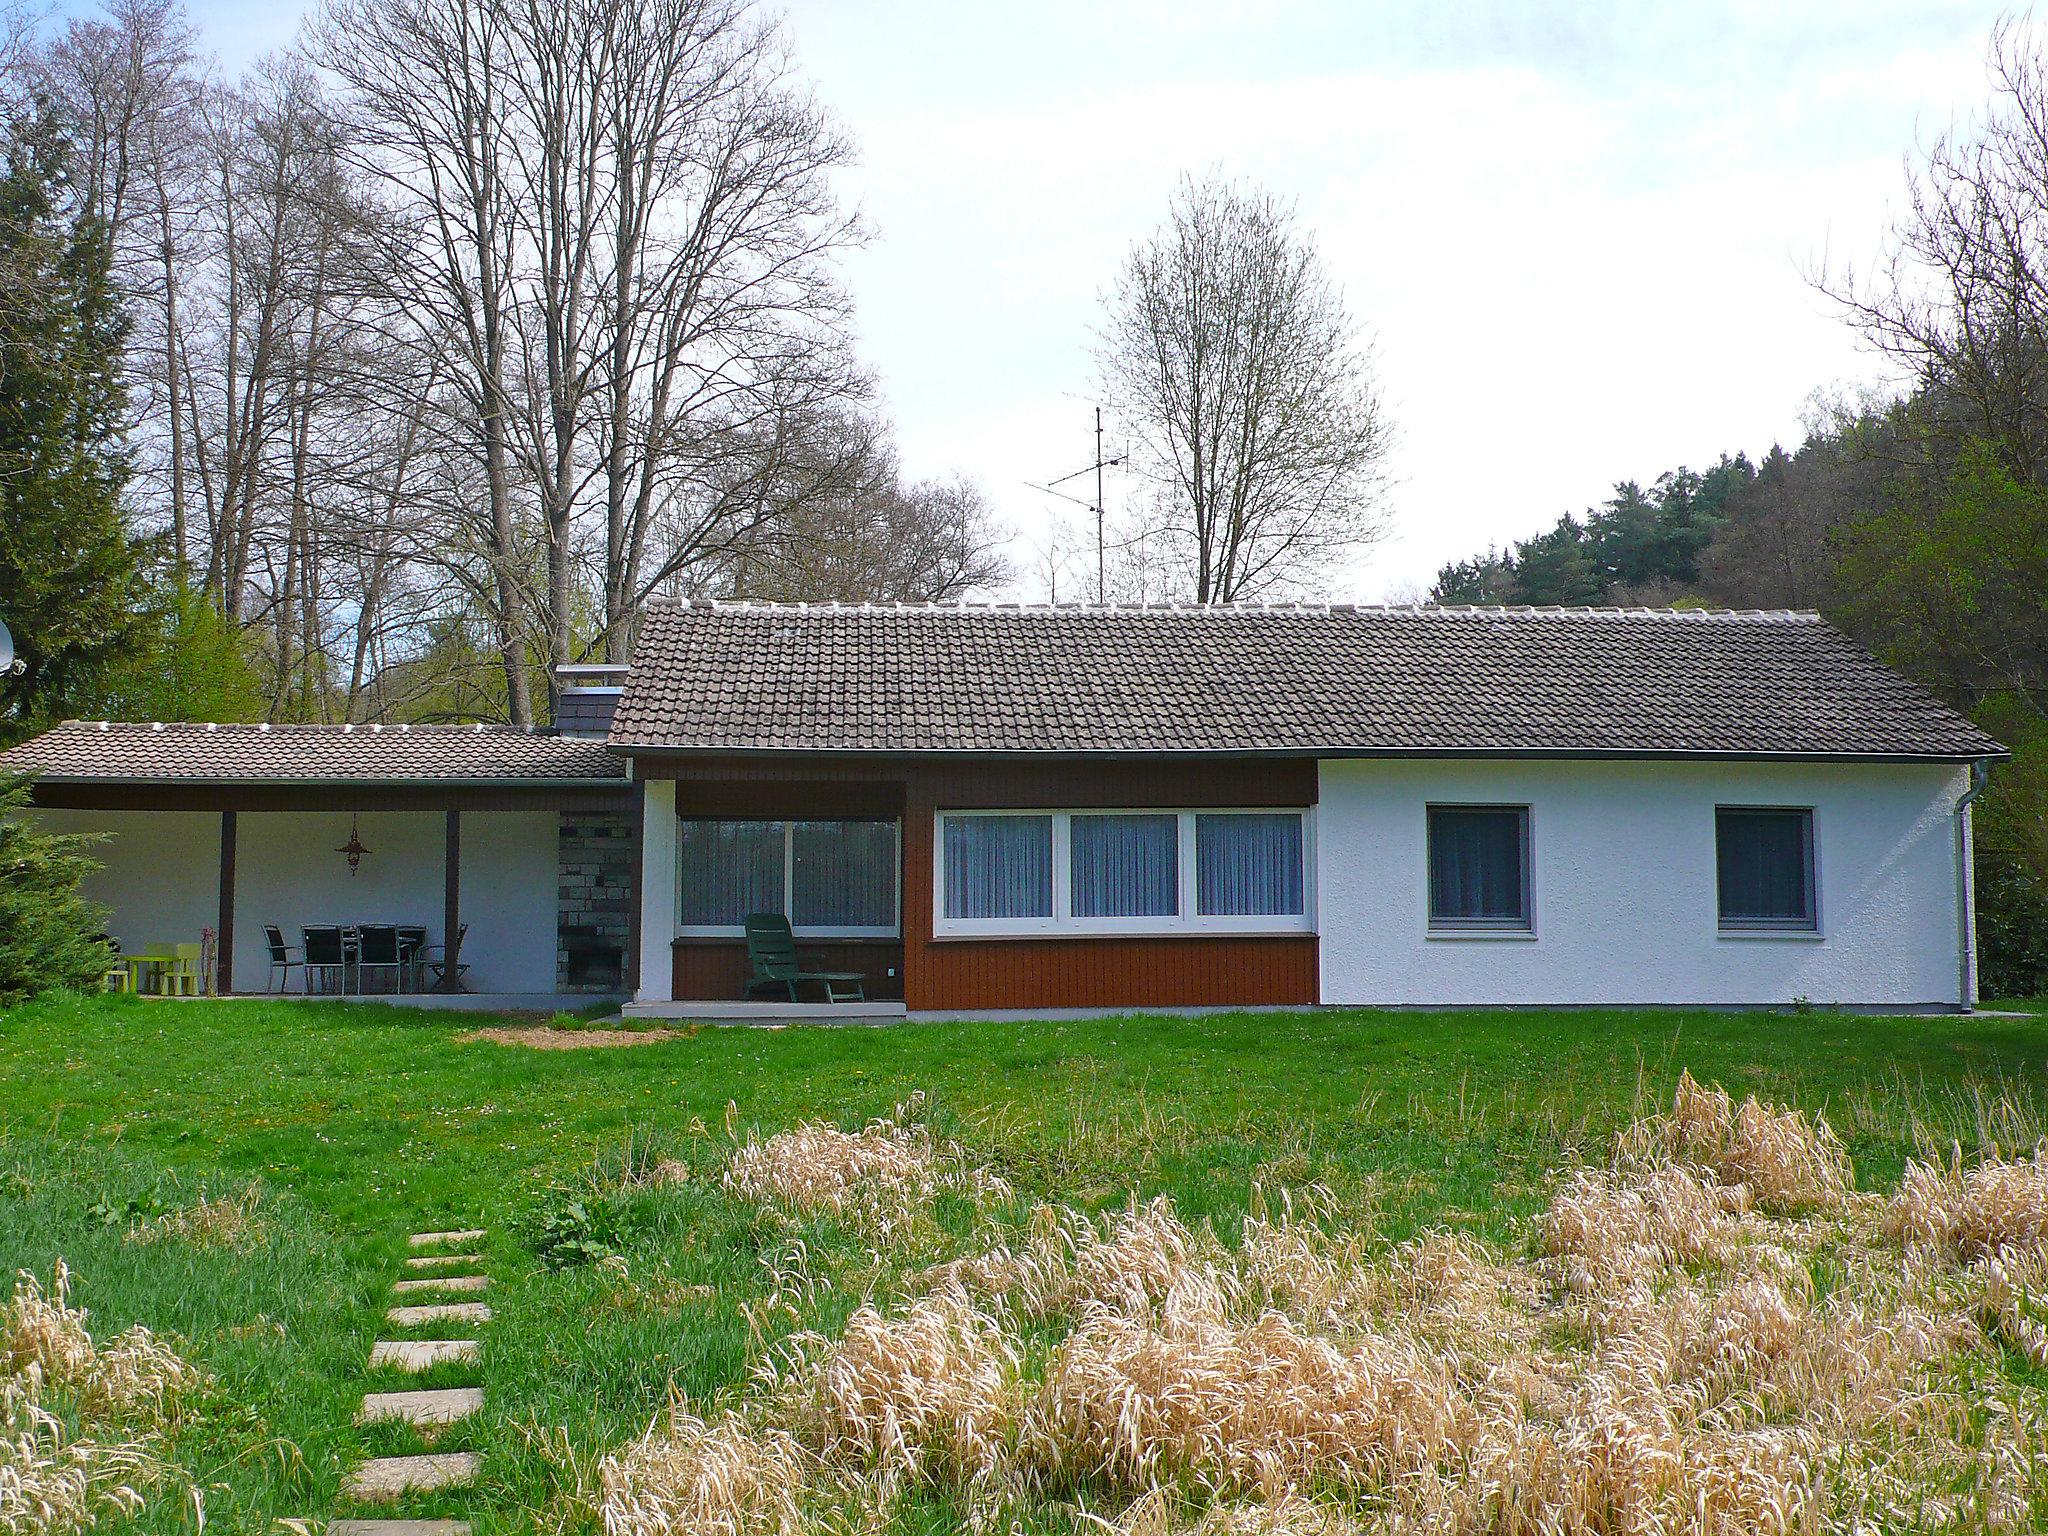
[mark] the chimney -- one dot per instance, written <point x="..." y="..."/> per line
<point x="585" y="696"/>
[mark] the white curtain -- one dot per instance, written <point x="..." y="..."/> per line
<point x="728" y="870"/>
<point x="998" y="866"/>
<point x="1248" y="864"/>
<point x="843" y="875"/>
<point x="1126" y="866"/>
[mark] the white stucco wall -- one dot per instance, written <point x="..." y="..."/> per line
<point x="1623" y="885"/>
<point x="159" y="875"/>
<point x="288" y="873"/>
<point x="657" y="891"/>
<point x="162" y="879"/>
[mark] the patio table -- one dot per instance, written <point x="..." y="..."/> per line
<point x="146" y="966"/>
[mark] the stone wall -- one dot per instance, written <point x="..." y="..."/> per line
<point x="593" y="913"/>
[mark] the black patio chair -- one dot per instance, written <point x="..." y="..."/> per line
<point x="412" y="942"/>
<point x="282" y="961"/>
<point x="377" y="950"/>
<point x="326" y="956"/>
<point x="445" y="961"/>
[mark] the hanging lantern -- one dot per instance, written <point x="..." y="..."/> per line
<point x="353" y="847"/>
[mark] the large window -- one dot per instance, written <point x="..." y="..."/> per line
<point x="1479" y="868"/>
<point x="1006" y="873"/>
<point x="1125" y="866"/>
<point x="831" y="879"/>
<point x="998" y="868"/>
<point x="1765" y="864"/>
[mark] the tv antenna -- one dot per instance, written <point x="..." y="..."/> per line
<point x="1095" y="506"/>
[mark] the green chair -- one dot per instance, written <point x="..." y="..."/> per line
<point x="181" y="977"/>
<point x="771" y="953"/>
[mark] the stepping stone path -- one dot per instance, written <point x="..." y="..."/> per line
<point x="441" y="1260"/>
<point x="389" y="1478"/>
<point x="438" y="1407"/>
<point x="442" y="1283"/>
<point x="441" y="1312"/>
<point x="421" y="1354"/>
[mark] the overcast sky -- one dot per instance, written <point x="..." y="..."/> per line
<point x="1579" y="232"/>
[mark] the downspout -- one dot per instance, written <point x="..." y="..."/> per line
<point x="1966" y="928"/>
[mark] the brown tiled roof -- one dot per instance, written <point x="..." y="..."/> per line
<point x="1308" y="679"/>
<point x="299" y="754"/>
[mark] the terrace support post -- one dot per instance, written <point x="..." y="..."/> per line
<point x="224" y="929"/>
<point x="636" y="874"/>
<point x="451" y="905"/>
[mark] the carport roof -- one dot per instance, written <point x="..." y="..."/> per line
<point x="102" y="751"/>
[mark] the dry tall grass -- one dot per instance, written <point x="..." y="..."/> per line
<point x="224" y="1221"/>
<point x="875" y="1175"/>
<point x="1714" y="1333"/>
<point x="121" y="1395"/>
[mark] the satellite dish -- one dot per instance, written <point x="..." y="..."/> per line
<point x="7" y="661"/>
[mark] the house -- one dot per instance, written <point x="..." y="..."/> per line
<point x="1026" y="809"/>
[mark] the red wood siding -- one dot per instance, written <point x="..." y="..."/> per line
<point x="1115" y="973"/>
<point x="1108" y="972"/>
<point x="1064" y="972"/>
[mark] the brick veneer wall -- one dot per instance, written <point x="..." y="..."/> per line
<point x="595" y="863"/>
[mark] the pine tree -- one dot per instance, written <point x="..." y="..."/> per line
<point x="69" y="570"/>
<point x="48" y="930"/>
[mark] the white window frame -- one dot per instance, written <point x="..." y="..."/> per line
<point x="1063" y="922"/>
<point x="788" y="824"/>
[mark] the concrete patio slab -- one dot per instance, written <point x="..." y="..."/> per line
<point x="389" y="1477"/>
<point x="725" y="1011"/>
<point x="398" y="1528"/>
<point x="421" y="1354"/>
<point x="442" y="1406"/>
<point x="445" y="1239"/>
<point x="436" y="1260"/>
<point x="442" y="1283"/>
<point x="440" y="1312"/>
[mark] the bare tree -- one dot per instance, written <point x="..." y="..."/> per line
<point x="1231" y="359"/>
<point x="855" y="530"/>
<point x="610" y="234"/>
<point x="1960" y="297"/>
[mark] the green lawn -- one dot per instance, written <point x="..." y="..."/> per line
<point x="361" y="1123"/>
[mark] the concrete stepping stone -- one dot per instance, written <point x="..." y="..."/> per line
<point x="398" y="1528"/>
<point x="389" y="1477"/>
<point x="442" y="1406"/>
<point x="443" y="1283"/>
<point x="421" y="1354"/>
<point x="440" y="1312"/>
<point x="437" y="1260"/>
<point x="445" y="1239"/>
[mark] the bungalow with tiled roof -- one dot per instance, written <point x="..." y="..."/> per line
<point x="1015" y="808"/>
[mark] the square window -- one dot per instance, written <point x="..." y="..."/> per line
<point x="1248" y="864"/>
<point x="843" y="874"/>
<point x="1479" y="866"/>
<point x="1764" y="862"/>
<point x="1125" y="866"/>
<point x="998" y="867"/>
<point x="727" y="870"/>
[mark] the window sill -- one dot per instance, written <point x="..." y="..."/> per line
<point x="1457" y="935"/>
<point x="808" y="940"/>
<point x="1113" y="934"/>
<point x="1796" y="935"/>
